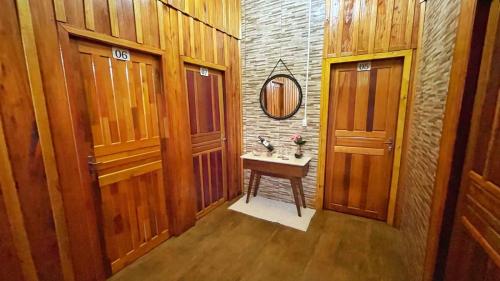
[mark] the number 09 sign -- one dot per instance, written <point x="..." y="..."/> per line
<point x="120" y="54"/>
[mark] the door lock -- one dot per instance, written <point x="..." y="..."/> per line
<point x="390" y="144"/>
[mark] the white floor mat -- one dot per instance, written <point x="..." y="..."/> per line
<point x="274" y="211"/>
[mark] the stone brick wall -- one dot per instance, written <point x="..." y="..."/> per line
<point x="272" y="30"/>
<point x="425" y="129"/>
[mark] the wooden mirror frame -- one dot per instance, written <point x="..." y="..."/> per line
<point x="262" y="92"/>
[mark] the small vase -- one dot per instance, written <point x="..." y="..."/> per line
<point x="298" y="152"/>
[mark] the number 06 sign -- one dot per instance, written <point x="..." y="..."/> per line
<point x="120" y="54"/>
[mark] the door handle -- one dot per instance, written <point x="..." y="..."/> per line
<point x="390" y="144"/>
<point x="92" y="162"/>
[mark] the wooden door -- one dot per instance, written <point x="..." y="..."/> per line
<point x="361" y="133"/>
<point x="475" y="241"/>
<point x="206" y="117"/>
<point x="274" y="97"/>
<point x="121" y="99"/>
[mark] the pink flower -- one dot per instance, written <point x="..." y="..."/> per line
<point x="296" y="137"/>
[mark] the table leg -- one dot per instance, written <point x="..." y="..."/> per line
<point x="295" y="195"/>
<point x="301" y="190"/>
<point x="256" y="185"/>
<point x="252" y="176"/>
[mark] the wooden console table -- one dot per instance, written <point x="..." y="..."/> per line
<point x="293" y="169"/>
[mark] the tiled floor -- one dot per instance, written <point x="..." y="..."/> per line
<point x="226" y="245"/>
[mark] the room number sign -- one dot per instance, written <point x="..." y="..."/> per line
<point x="203" y="71"/>
<point x="120" y="54"/>
<point x="364" y="66"/>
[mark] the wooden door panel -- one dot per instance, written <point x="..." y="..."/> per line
<point x="134" y="214"/>
<point x="123" y="112"/>
<point x="205" y="103"/>
<point x="364" y="106"/>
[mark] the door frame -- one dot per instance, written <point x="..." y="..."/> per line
<point x="454" y="140"/>
<point x="400" y="127"/>
<point x="185" y="60"/>
<point x="66" y="33"/>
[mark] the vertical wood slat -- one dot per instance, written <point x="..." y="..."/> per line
<point x="161" y="24"/>
<point x="388" y="25"/>
<point x="89" y="14"/>
<point x="60" y="10"/>
<point x="182" y="30"/>
<point x="113" y="18"/>
<point x="91" y="21"/>
<point x="340" y="27"/>
<point x="368" y="26"/>
<point x="45" y="137"/>
<point x="14" y="212"/>
<point x="356" y="19"/>
<point x="138" y="21"/>
<point x="409" y="23"/>
<point x="373" y="27"/>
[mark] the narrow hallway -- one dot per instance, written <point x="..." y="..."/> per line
<point x="227" y="245"/>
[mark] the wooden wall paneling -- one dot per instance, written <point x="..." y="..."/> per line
<point x="185" y="43"/>
<point x="126" y="19"/>
<point x="347" y="27"/>
<point x="203" y="11"/>
<point x="368" y="26"/>
<point x="161" y="24"/>
<point x="60" y="10"/>
<point x="383" y="27"/>
<point x="373" y="26"/>
<point x="199" y="51"/>
<point x="101" y="15"/>
<point x="219" y="41"/>
<point x="418" y="19"/>
<point x="233" y="111"/>
<point x="190" y="8"/>
<point x="180" y="194"/>
<point x="208" y="43"/>
<point x="214" y="45"/>
<point x="149" y="23"/>
<point x="74" y="11"/>
<point x="363" y="34"/>
<point x="113" y="17"/>
<point x="88" y="7"/>
<point x="192" y="36"/>
<point x="45" y="144"/>
<point x="138" y="21"/>
<point x="15" y="252"/>
<point x="89" y="19"/>
<point x="77" y="198"/>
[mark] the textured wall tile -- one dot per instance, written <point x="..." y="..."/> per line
<point x="273" y="30"/>
<point x="425" y="129"/>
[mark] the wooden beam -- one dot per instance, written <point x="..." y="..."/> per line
<point x="203" y="63"/>
<point x="103" y="38"/>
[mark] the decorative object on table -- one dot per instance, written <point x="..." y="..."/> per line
<point x="266" y="144"/>
<point x="297" y="139"/>
<point x="284" y="154"/>
<point x="256" y="149"/>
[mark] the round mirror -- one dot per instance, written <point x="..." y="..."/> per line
<point x="281" y="96"/>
